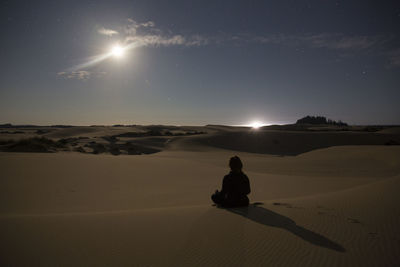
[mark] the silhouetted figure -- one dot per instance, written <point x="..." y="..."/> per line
<point x="235" y="187"/>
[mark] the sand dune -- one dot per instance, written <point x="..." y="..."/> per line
<point x="291" y="142"/>
<point x="273" y="140"/>
<point x="334" y="206"/>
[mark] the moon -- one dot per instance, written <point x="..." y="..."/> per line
<point x="117" y="51"/>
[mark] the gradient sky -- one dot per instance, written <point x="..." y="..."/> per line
<point x="199" y="62"/>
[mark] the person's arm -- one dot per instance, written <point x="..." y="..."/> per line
<point x="246" y="185"/>
<point x="224" y="185"/>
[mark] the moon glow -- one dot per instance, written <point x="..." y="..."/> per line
<point x="117" y="51"/>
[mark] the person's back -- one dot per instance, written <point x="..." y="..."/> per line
<point x="235" y="187"/>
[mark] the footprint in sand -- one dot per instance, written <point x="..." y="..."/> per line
<point x="324" y="208"/>
<point x="352" y="220"/>
<point x="287" y="205"/>
<point x="373" y="235"/>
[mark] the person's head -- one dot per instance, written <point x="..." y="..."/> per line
<point x="235" y="164"/>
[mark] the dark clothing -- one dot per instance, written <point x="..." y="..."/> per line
<point x="235" y="188"/>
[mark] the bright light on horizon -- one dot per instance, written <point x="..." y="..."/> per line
<point x="256" y="124"/>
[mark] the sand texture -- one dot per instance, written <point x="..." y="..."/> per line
<point x="318" y="199"/>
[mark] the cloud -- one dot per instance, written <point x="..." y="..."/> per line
<point x="394" y="58"/>
<point x="159" y="40"/>
<point x="134" y="23"/>
<point x="137" y="34"/>
<point x="132" y="35"/>
<point x="132" y="27"/>
<point x="323" y="40"/>
<point x="148" y="24"/>
<point x="107" y="32"/>
<point x="341" y="42"/>
<point x="82" y="75"/>
<point x="380" y="45"/>
<point x="197" y="40"/>
<point x="156" y="40"/>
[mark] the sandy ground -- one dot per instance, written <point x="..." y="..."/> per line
<point x="335" y="206"/>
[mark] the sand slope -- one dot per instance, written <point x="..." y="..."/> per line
<point x="328" y="207"/>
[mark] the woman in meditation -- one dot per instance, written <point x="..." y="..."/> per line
<point x="235" y="187"/>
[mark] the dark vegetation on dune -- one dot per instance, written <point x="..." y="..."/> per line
<point x="116" y="147"/>
<point x="46" y="145"/>
<point x="156" y="133"/>
<point x="148" y="140"/>
<point x="12" y="132"/>
<point x="40" y="131"/>
<point x="319" y="120"/>
<point x="322" y="124"/>
<point x="34" y="144"/>
<point x="9" y="125"/>
<point x="326" y="128"/>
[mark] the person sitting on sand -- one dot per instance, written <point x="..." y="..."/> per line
<point x="235" y="187"/>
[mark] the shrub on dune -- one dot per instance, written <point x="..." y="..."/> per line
<point x="34" y="144"/>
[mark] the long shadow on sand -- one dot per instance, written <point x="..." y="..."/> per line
<point x="270" y="218"/>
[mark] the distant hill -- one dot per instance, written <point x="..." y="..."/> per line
<point x="319" y="120"/>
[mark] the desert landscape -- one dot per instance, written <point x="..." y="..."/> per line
<point x="140" y="196"/>
<point x="200" y="133"/>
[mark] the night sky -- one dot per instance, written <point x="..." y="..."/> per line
<point x="199" y="62"/>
